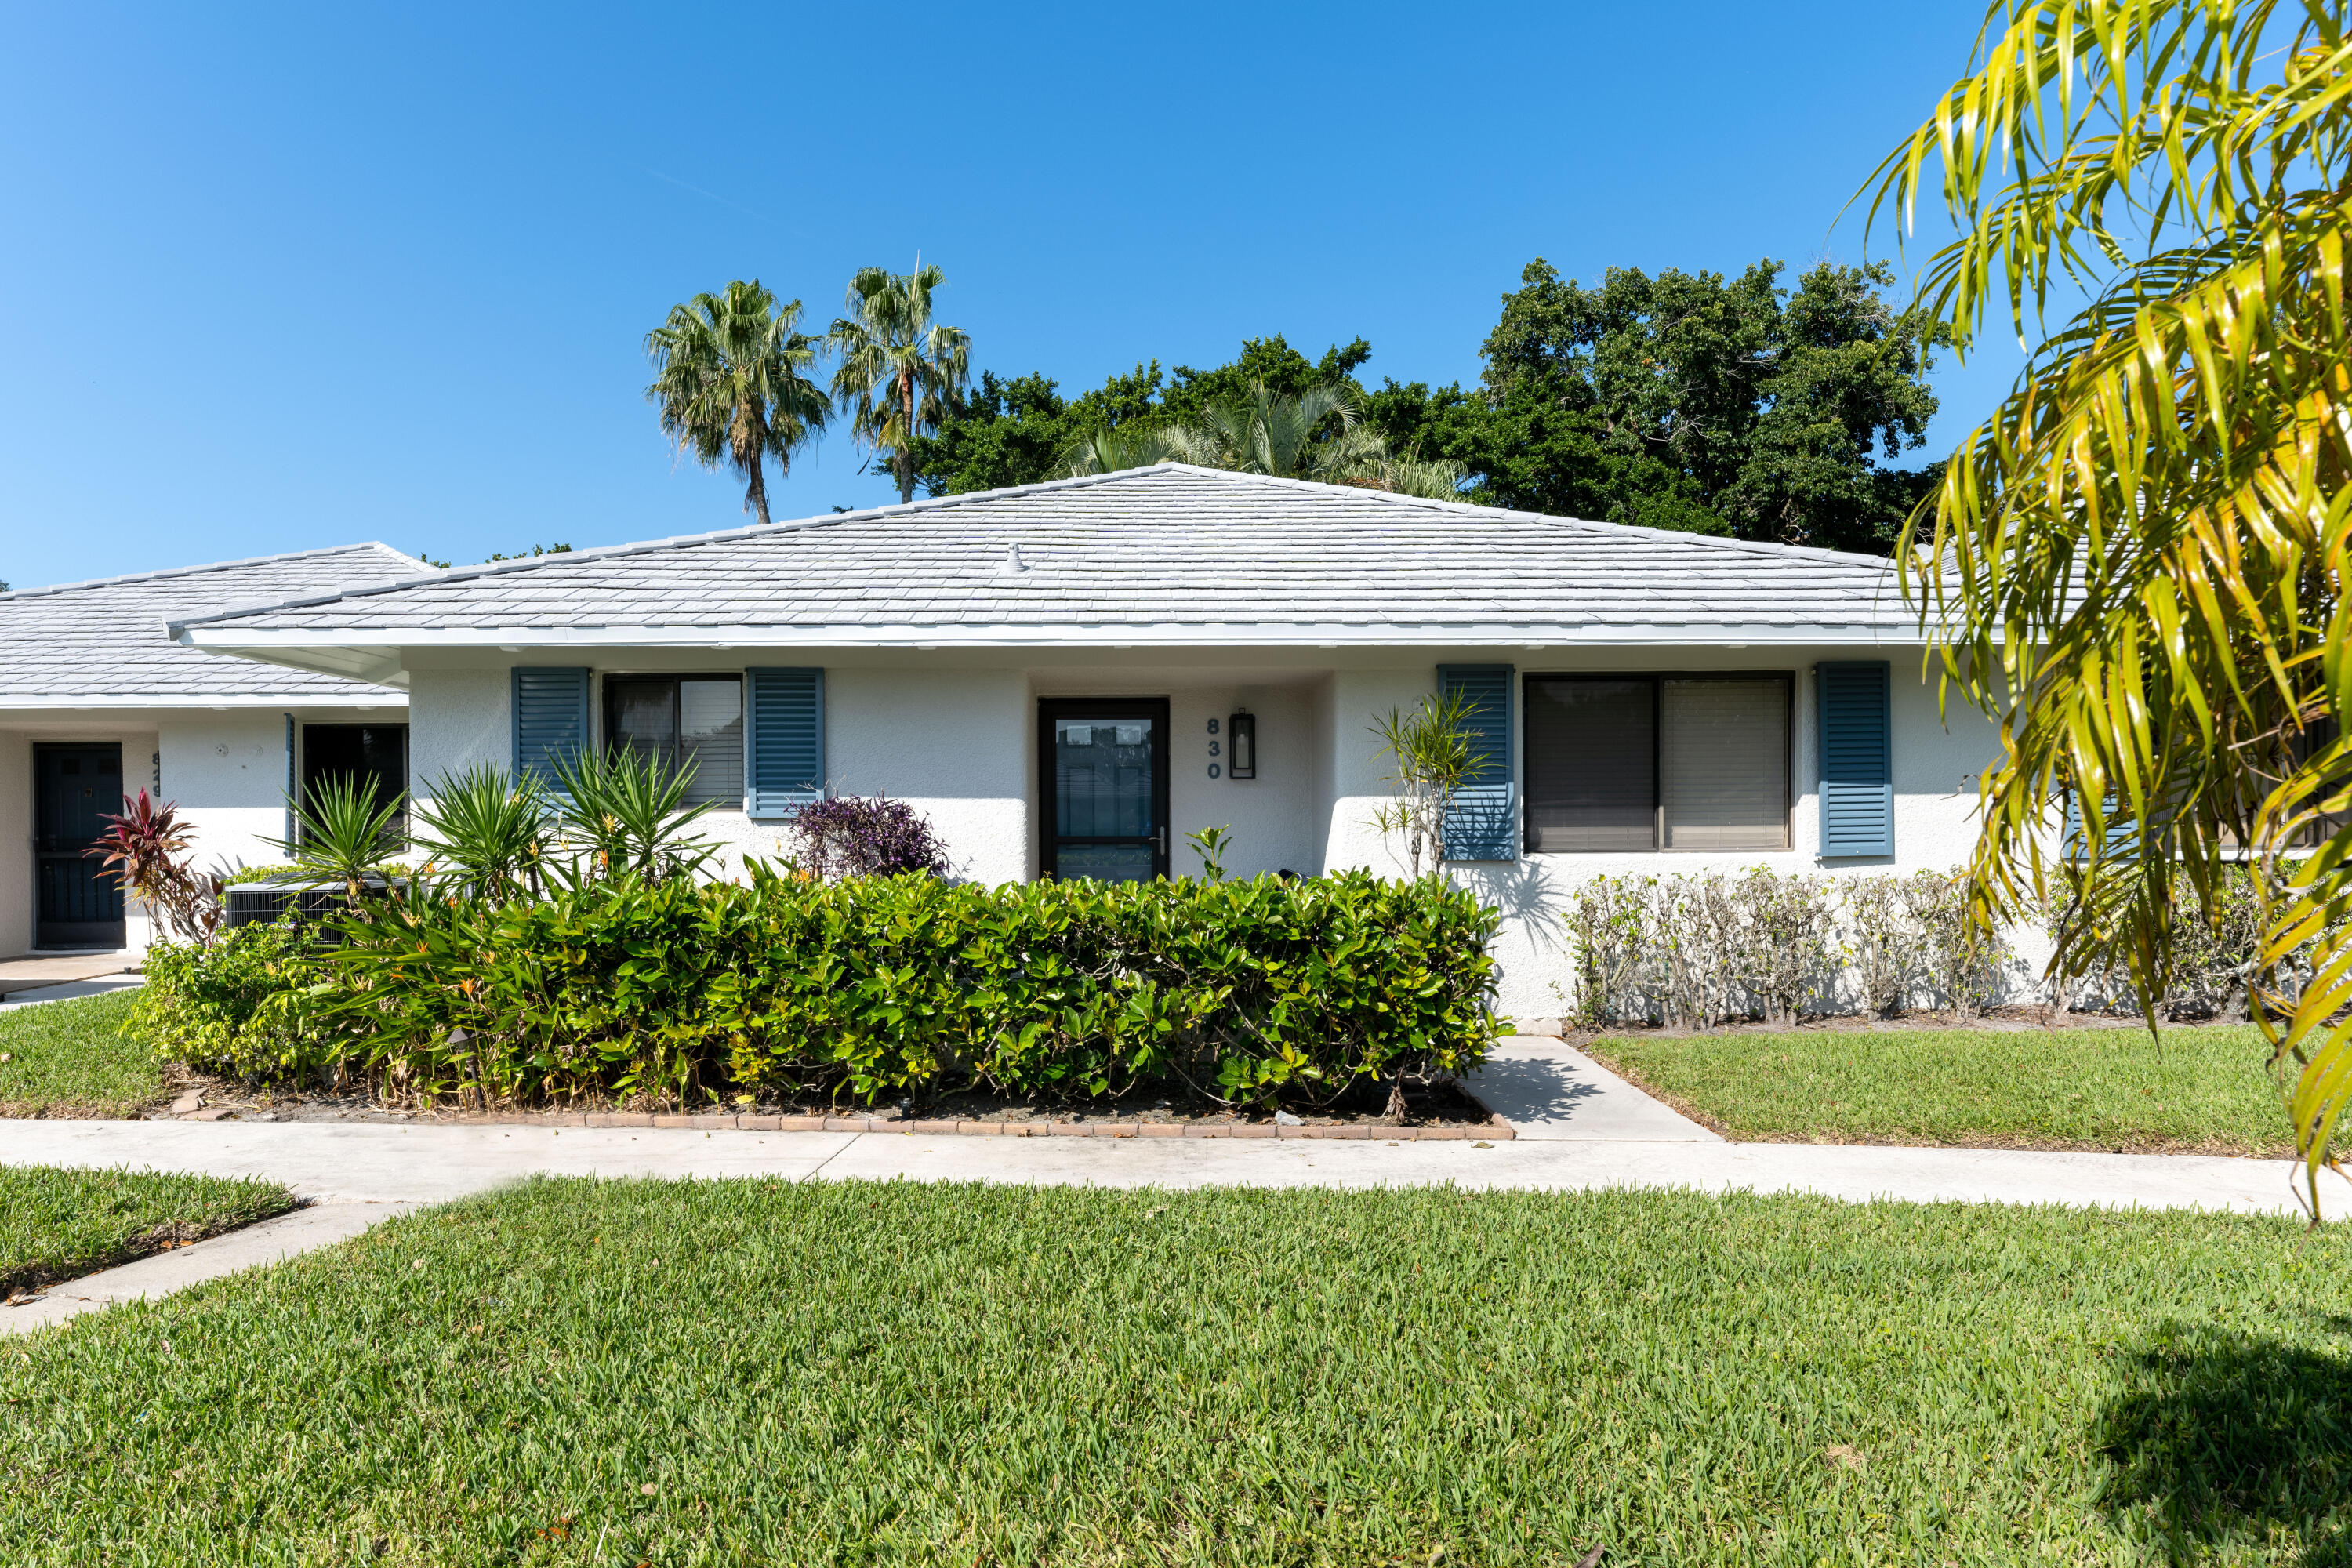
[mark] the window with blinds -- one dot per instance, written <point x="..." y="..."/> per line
<point x="1685" y="762"/>
<point x="693" y="721"/>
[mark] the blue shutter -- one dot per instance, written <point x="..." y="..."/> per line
<point x="2076" y="848"/>
<point x="1483" y="824"/>
<point x="783" y="740"/>
<point x="1857" y="758"/>
<point x="550" y="720"/>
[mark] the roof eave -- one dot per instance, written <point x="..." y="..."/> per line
<point x="378" y="649"/>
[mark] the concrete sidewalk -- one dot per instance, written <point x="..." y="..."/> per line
<point x="304" y="1230"/>
<point x="372" y="1162"/>
<point x="1578" y="1127"/>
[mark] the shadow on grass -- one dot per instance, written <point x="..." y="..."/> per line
<point x="2224" y="1443"/>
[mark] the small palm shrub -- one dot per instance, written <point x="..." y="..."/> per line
<point x="488" y="833"/>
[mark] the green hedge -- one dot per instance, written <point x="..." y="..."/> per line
<point x="1251" y="990"/>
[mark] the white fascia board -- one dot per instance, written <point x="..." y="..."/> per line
<point x="10" y="703"/>
<point x="263" y="643"/>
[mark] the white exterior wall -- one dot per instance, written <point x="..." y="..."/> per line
<point x="1934" y="797"/>
<point x="949" y="742"/>
<point x="936" y="741"/>
<point x="226" y="773"/>
<point x="954" y="734"/>
<point x="17" y="888"/>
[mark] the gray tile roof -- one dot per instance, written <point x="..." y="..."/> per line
<point x="1178" y="550"/>
<point x="105" y="641"/>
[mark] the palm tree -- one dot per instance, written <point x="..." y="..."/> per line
<point x="1290" y="436"/>
<point x="1268" y="432"/>
<point x="731" y="376"/>
<point x="899" y="369"/>
<point x="2136" y="566"/>
<point x="1123" y="447"/>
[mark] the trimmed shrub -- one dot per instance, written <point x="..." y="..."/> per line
<point x="238" y="1003"/>
<point x="1249" y="991"/>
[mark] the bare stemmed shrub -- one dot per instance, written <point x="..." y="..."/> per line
<point x="1609" y="941"/>
<point x="1783" y="949"/>
<point x="1881" y="951"/>
<point x="1960" y="963"/>
<point x="1709" y="948"/>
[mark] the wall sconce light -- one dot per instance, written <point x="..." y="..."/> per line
<point x="1241" y="746"/>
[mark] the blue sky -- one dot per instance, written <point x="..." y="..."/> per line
<point x="280" y="277"/>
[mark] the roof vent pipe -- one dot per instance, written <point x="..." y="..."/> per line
<point x="1012" y="562"/>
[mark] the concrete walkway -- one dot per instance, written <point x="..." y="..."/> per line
<point x="374" y="1163"/>
<point x="66" y="990"/>
<point x="1551" y="1090"/>
<point x="31" y="970"/>
<point x="304" y="1230"/>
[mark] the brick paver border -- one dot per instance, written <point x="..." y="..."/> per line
<point x="1496" y="1131"/>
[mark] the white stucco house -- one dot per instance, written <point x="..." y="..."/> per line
<point x="1070" y="676"/>
<point x="96" y="701"/>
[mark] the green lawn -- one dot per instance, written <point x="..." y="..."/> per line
<point x="2204" y="1090"/>
<point x="75" y="1058"/>
<point x="55" y="1225"/>
<point x="746" y="1372"/>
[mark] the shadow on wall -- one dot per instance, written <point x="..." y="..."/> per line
<point x="2225" y="1443"/>
<point x="1527" y="893"/>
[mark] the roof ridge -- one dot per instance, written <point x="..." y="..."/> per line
<point x="1396" y="497"/>
<point x="164" y="572"/>
<point x="683" y="542"/>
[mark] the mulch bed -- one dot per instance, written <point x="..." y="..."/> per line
<point x="1440" y="1110"/>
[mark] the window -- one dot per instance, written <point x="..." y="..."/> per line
<point x="372" y="756"/>
<point x="682" y="718"/>
<point x="1631" y="763"/>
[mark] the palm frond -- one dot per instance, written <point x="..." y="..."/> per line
<point x="2136" y="566"/>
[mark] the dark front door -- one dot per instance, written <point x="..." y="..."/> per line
<point x="77" y="903"/>
<point x="1103" y="766"/>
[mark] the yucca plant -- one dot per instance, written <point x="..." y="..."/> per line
<point x="488" y="831"/>
<point x="626" y="813"/>
<point x="2137" y="565"/>
<point x="340" y="836"/>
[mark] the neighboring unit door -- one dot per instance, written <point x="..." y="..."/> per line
<point x="1103" y="766"/>
<point x="77" y="903"/>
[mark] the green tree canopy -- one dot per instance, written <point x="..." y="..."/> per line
<point x="1019" y="431"/>
<point x="1687" y="401"/>
<point x="1694" y="402"/>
